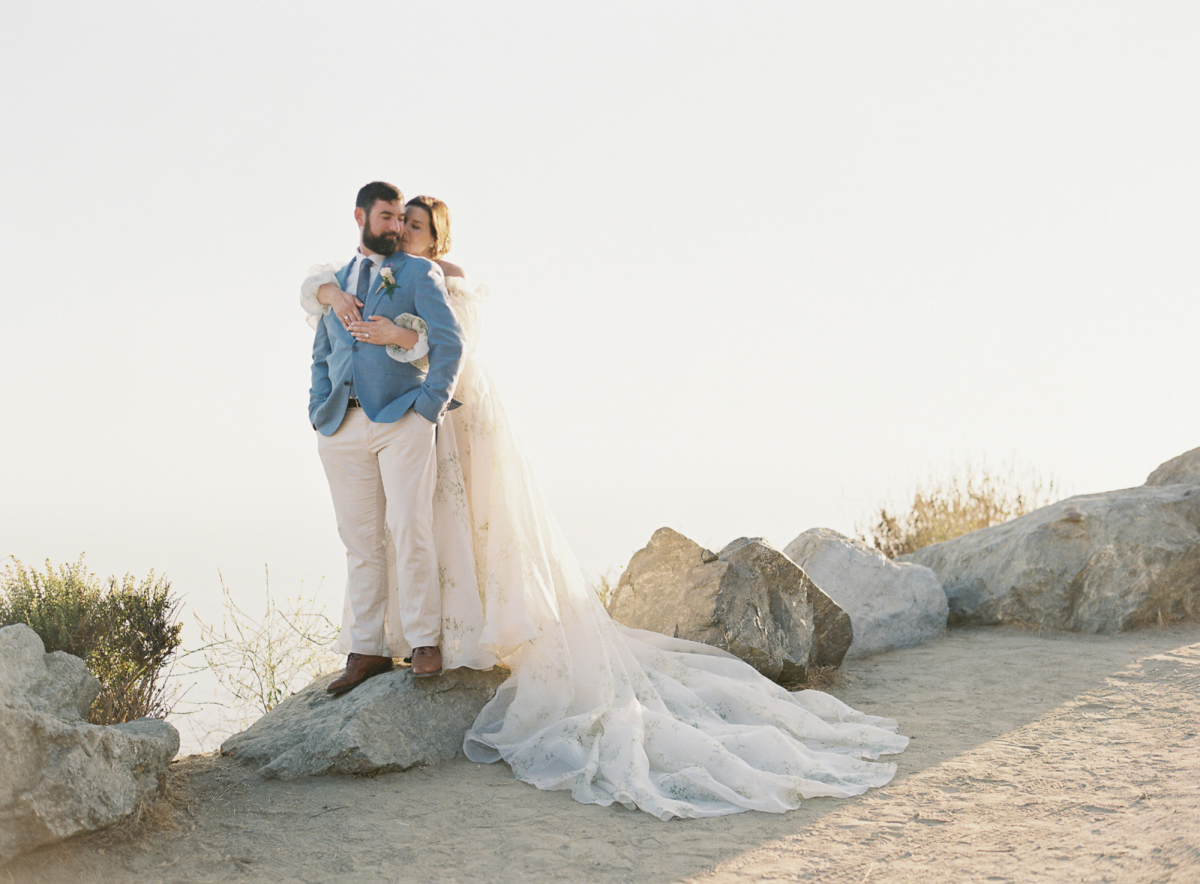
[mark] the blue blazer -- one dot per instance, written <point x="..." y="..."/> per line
<point x="387" y="389"/>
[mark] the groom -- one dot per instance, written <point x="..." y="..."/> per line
<point x="376" y="420"/>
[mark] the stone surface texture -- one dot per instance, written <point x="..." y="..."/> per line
<point x="749" y="599"/>
<point x="891" y="604"/>
<point x="389" y="722"/>
<point x="59" y="775"/>
<point x="1096" y="563"/>
<point x="1182" y="470"/>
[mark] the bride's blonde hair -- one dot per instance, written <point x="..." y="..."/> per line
<point x="439" y="222"/>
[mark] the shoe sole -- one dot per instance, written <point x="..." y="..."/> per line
<point x="351" y="687"/>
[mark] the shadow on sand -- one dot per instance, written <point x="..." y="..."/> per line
<point x="467" y="822"/>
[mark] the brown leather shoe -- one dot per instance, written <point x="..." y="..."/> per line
<point x="359" y="667"/>
<point x="426" y="661"/>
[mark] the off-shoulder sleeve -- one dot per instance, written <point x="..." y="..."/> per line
<point x="318" y="275"/>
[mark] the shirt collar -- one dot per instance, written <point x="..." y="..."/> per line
<point x="376" y="260"/>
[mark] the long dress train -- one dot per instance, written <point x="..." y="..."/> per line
<point x="612" y="714"/>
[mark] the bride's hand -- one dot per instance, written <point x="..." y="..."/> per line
<point x="381" y="330"/>
<point x="345" y="305"/>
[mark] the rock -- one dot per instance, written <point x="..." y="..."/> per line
<point x="59" y="775"/>
<point x="891" y="604"/>
<point x="1098" y="563"/>
<point x="787" y="584"/>
<point x="1182" y="470"/>
<point x="390" y="722"/>
<point x="787" y="589"/>
<point x="749" y="599"/>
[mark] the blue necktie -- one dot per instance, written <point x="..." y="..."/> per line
<point x="364" y="278"/>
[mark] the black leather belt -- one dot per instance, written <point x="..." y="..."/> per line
<point x="354" y="403"/>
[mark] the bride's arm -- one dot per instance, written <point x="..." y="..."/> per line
<point x="320" y="292"/>
<point x="347" y="306"/>
<point x="344" y="304"/>
<point x="318" y="297"/>
<point x="384" y="332"/>
<point x="407" y="339"/>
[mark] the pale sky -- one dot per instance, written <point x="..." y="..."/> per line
<point x="755" y="267"/>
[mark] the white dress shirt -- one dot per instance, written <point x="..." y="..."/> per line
<point x="352" y="284"/>
<point x="352" y="276"/>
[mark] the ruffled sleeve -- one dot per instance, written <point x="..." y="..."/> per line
<point x="421" y="348"/>
<point x="318" y="275"/>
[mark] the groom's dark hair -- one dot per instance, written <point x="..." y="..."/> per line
<point x="377" y="190"/>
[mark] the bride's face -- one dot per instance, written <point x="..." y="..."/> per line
<point x="418" y="232"/>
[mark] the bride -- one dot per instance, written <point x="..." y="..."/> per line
<point x="613" y="714"/>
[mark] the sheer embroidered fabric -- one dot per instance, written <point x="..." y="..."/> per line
<point x="612" y="714"/>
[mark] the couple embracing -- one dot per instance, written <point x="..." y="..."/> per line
<point x="376" y="415"/>
<point x="454" y="559"/>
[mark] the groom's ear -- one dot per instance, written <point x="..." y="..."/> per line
<point x="360" y="216"/>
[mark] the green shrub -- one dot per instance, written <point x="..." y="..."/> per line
<point x="125" y="632"/>
<point x="971" y="498"/>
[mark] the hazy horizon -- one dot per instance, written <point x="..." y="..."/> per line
<point x="754" y="268"/>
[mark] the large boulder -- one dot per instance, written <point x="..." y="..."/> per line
<point x="389" y="722"/>
<point x="891" y="604"/>
<point x="59" y="775"/>
<point x="749" y="599"/>
<point x="1182" y="470"/>
<point x="1098" y="563"/>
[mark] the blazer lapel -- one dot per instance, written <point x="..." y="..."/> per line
<point x="393" y="263"/>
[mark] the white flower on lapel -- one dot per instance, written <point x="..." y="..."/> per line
<point x="389" y="281"/>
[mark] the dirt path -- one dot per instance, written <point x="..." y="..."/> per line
<point x="1034" y="758"/>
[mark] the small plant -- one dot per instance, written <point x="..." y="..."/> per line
<point x="259" y="662"/>
<point x="971" y="498"/>
<point x="126" y="633"/>
<point x="605" y="585"/>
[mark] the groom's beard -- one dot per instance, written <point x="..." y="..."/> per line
<point x="381" y="244"/>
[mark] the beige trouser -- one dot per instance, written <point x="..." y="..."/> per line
<point x="381" y="472"/>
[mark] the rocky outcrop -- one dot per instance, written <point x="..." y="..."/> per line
<point x="59" y="775"/>
<point x="749" y="599"/>
<point x="389" y="722"/>
<point x="891" y="604"/>
<point x="1098" y="563"/>
<point x="1182" y="470"/>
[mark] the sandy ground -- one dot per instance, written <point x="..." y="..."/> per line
<point x="1034" y="758"/>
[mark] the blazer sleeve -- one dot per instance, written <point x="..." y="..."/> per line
<point x="445" y="344"/>
<point x="321" y="385"/>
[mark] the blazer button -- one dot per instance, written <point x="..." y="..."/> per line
<point x="345" y="383"/>
<point x="355" y="347"/>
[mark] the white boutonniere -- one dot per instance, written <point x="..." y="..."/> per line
<point x="389" y="281"/>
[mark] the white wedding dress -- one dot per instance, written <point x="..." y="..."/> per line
<point x="613" y="714"/>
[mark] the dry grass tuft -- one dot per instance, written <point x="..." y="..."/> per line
<point x="153" y="816"/>
<point x="1039" y="628"/>
<point x="970" y="498"/>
